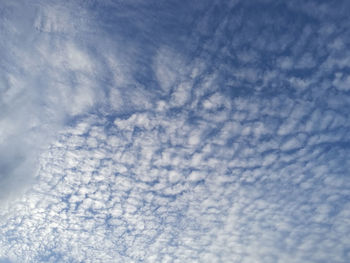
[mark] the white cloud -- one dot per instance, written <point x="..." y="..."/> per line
<point x="192" y="171"/>
<point x="342" y="82"/>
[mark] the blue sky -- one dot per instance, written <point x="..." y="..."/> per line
<point x="174" y="131"/>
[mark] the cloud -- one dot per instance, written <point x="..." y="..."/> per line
<point x="36" y="94"/>
<point x="52" y="73"/>
<point x="229" y="146"/>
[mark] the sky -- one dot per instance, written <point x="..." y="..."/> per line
<point x="174" y="131"/>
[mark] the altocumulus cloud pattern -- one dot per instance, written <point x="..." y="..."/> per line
<point x="175" y="131"/>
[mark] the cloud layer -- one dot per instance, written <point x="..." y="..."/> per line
<point x="211" y="132"/>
